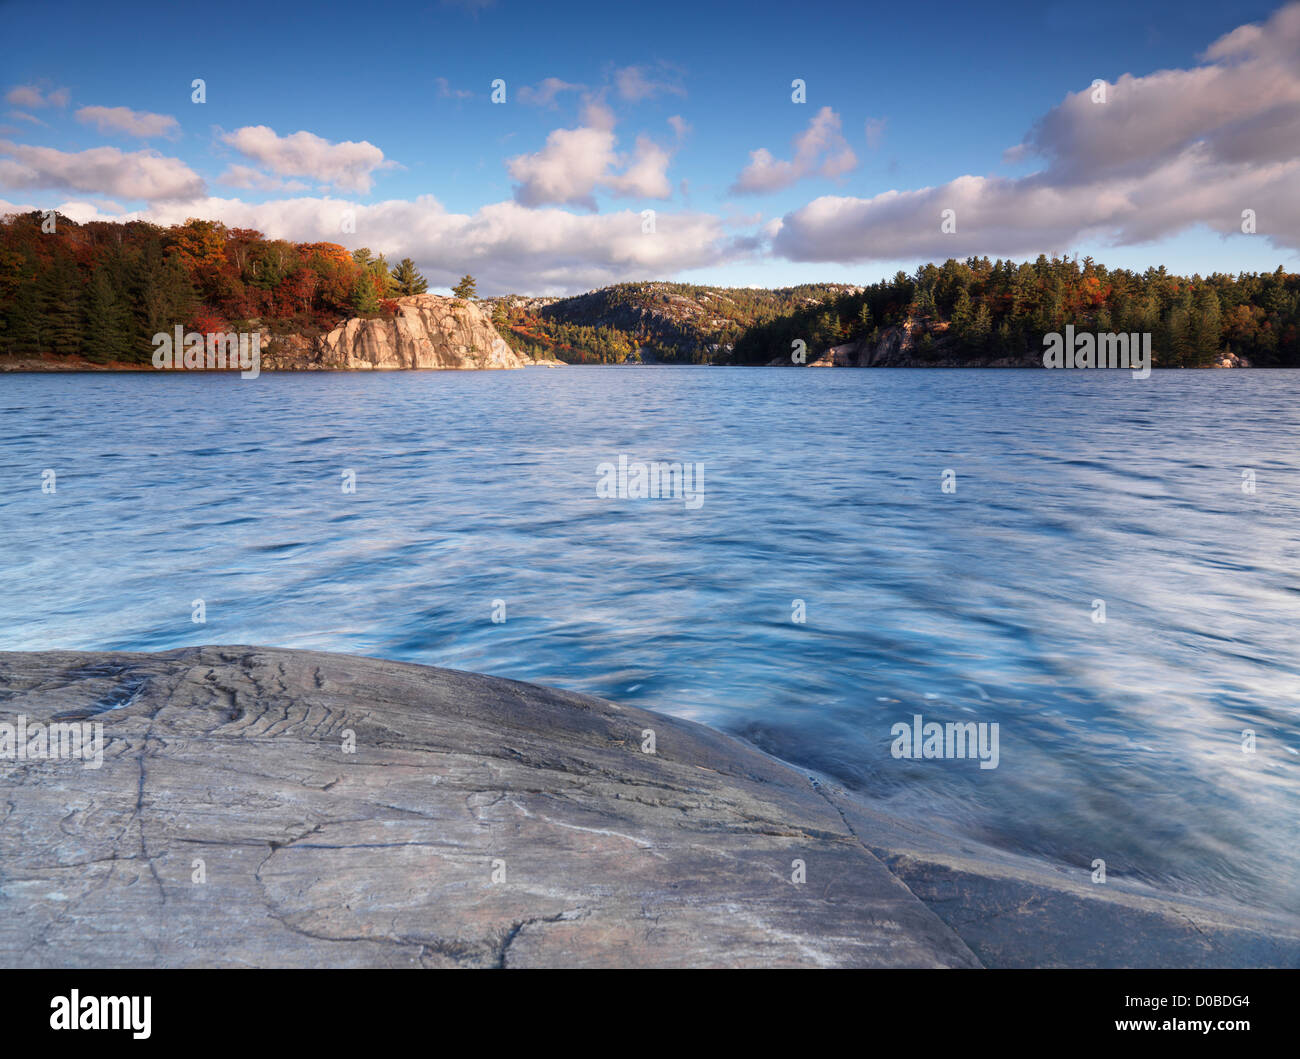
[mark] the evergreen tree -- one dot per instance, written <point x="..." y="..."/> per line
<point x="466" y="288"/>
<point x="365" y="302"/>
<point x="60" y="294"/>
<point x="981" y="328"/>
<point x="1207" y="327"/>
<point x="108" y="318"/>
<point x="25" y="318"/>
<point x="962" y="314"/>
<point x="407" y="279"/>
<point x="1175" y="335"/>
<point x="865" y="326"/>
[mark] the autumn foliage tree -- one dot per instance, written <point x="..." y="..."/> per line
<point x="101" y="290"/>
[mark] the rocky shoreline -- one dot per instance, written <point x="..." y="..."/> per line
<point x="426" y="332"/>
<point x="266" y="807"/>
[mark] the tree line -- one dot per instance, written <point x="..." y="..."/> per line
<point x="101" y="290"/>
<point x="981" y="308"/>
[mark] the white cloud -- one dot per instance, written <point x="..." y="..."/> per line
<point x="445" y="91"/>
<point x="347" y="166"/>
<point x="544" y="93"/>
<point x="1163" y="153"/>
<point x="132" y="122"/>
<point x="243" y="176"/>
<point x="31" y="96"/>
<point x="74" y="209"/>
<point x="506" y="246"/>
<point x="647" y="175"/>
<point x="874" y="131"/>
<point x="635" y="83"/>
<point x="143" y="175"/>
<point x="820" y="150"/>
<point x="575" y="162"/>
<point x="566" y="170"/>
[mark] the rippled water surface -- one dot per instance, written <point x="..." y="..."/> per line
<point x="1120" y="740"/>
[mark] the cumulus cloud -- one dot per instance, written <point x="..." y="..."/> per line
<point x="347" y="166"/>
<point x="1164" y="152"/>
<point x="820" y="150"/>
<point x="243" y="176"/>
<point x="32" y="96"/>
<point x="566" y="170"/>
<point x="575" y="162"/>
<point x="132" y="122"/>
<point x="143" y="175"/>
<point x="1242" y="105"/>
<point x="647" y="175"/>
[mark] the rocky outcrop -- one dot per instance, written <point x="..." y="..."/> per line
<point x="914" y="344"/>
<point x="428" y="331"/>
<point x="289" y="808"/>
<point x="1228" y="359"/>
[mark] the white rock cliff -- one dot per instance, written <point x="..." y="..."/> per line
<point x="428" y="331"/>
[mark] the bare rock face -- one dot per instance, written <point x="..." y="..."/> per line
<point x="479" y="822"/>
<point x="428" y="331"/>
<point x="261" y="807"/>
<point x="1228" y="359"/>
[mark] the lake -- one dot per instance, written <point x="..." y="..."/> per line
<point x="1167" y="506"/>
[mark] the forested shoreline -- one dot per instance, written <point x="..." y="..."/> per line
<point x="977" y="308"/>
<point x="98" y="292"/>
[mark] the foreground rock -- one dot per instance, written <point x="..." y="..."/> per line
<point x="428" y="331"/>
<point x="482" y="822"/>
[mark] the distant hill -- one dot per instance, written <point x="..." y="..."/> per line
<point x="648" y="322"/>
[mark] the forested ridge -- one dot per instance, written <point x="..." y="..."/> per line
<point x="680" y="323"/>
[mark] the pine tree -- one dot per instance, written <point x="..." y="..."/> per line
<point x="864" y="320"/>
<point x="466" y="288"/>
<point x="23" y="335"/>
<point x="962" y="314"/>
<point x="108" y="319"/>
<point x="1207" y="327"/>
<point x="1176" y="336"/>
<point x="981" y="328"/>
<point x="365" y="302"/>
<point x="60" y="293"/>
<point x="407" y="279"/>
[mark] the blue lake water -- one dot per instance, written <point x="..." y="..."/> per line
<point x="1120" y="740"/>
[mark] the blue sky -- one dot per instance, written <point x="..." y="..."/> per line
<point x="382" y="112"/>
